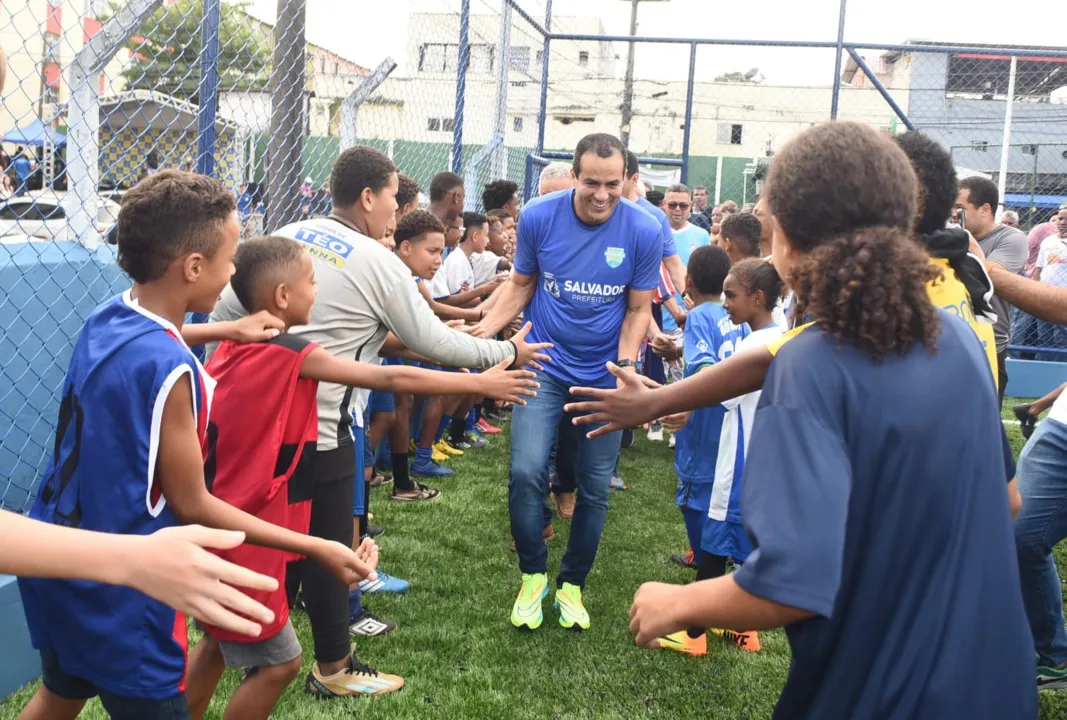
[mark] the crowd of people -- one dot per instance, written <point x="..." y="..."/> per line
<point x="840" y="328"/>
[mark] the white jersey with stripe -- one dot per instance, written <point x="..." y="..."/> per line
<point x="734" y="437"/>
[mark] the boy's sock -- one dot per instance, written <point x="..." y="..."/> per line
<point x="423" y="455"/>
<point x="401" y="472"/>
<point x="708" y="566"/>
<point x="472" y="419"/>
<point x="457" y="429"/>
<point x="362" y="525"/>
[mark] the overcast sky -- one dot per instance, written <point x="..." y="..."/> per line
<point x="367" y="31"/>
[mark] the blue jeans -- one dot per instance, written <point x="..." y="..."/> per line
<point x="534" y="428"/>
<point x="1042" y="522"/>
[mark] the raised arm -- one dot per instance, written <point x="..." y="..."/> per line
<point x="408" y="316"/>
<point x="1043" y="301"/>
<point x="447" y="312"/>
<point x="512" y="298"/>
<point x="180" y="472"/>
<point x="253" y="328"/>
<point x="498" y="383"/>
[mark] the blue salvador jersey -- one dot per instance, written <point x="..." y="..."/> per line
<point x="582" y="276"/>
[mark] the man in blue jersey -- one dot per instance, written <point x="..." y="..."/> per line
<point x="687" y="236"/>
<point x="585" y="271"/>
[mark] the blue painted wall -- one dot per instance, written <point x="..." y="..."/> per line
<point x="47" y="290"/>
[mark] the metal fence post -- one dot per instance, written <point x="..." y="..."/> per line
<point x="284" y="161"/>
<point x="208" y="90"/>
<point x="688" y="132"/>
<point x="461" y="85"/>
<point x="1005" y="147"/>
<point x="83" y="118"/>
<point x="836" y="96"/>
<point x="542" y="108"/>
<point x="350" y="105"/>
<point x="500" y="156"/>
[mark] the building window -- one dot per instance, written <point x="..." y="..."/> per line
<point x="436" y="124"/>
<point x="432" y="57"/>
<point x="519" y="59"/>
<point x="729" y="134"/>
<point x="516" y="124"/>
<point x="583" y="58"/>
<point x="980" y="145"/>
<point x="481" y="60"/>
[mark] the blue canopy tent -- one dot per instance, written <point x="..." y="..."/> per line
<point x="35" y="134"/>
<point x="1040" y="201"/>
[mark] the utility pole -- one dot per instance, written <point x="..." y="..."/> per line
<point x="628" y="87"/>
<point x="287" y="83"/>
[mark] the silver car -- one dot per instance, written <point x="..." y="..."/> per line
<point x="40" y="215"/>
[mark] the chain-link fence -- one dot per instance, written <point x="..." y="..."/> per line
<point x="264" y="94"/>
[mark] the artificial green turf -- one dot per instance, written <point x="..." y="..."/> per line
<point x="462" y="659"/>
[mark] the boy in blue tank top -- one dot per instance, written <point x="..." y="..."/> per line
<point x="131" y="441"/>
<point x="709" y="338"/>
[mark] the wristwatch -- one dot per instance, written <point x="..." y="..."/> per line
<point x="626" y="364"/>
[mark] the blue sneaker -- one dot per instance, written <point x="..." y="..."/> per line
<point x="428" y="468"/>
<point x="384" y="584"/>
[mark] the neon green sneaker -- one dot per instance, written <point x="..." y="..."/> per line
<point x="527" y="610"/>
<point x="572" y="614"/>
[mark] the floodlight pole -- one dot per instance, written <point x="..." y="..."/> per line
<point x="628" y="86"/>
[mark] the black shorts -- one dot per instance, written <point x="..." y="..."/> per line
<point x="119" y="707"/>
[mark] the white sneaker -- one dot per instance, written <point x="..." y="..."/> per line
<point x="670" y="441"/>
<point x="655" y="432"/>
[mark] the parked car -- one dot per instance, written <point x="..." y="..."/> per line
<point x="41" y="215"/>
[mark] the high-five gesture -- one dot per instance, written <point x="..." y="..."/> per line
<point x="625" y="407"/>
<point x="512" y="386"/>
<point x="529" y="353"/>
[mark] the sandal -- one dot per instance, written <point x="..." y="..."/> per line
<point x="419" y="492"/>
<point x="378" y="480"/>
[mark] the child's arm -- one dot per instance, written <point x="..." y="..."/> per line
<point x="447" y="312"/>
<point x="634" y="404"/>
<point x="498" y="382"/>
<point x="660" y="609"/>
<point x="180" y="472"/>
<point x="170" y="565"/>
<point x="253" y="328"/>
<point x="462" y="299"/>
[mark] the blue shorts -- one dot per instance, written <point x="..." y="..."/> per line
<point x="729" y="539"/>
<point x="694" y="495"/>
<point x="381" y="402"/>
<point x="118" y="707"/>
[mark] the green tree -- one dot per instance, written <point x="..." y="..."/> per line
<point x="166" y="51"/>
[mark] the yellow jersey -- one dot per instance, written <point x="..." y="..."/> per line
<point x="947" y="292"/>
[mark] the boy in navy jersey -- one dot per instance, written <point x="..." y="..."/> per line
<point x="131" y="441"/>
<point x="710" y="337"/>
<point x="264" y="461"/>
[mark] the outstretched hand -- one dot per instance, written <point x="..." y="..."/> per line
<point x="511" y="386"/>
<point x="529" y="353"/>
<point x="173" y="566"/>
<point x="625" y="407"/>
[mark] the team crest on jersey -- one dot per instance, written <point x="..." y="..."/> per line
<point x="324" y="246"/>
<point x="702" y="346"/>
<point x="548" y="281"/>
<point x="614" y="256"/>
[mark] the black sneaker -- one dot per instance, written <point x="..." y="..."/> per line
<point x="370" y="625"/>
<point x="627" y="438"/>
<point x="374" y="531"/>
<point x="494" y="416"/>
<point x="461" y="444"/>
